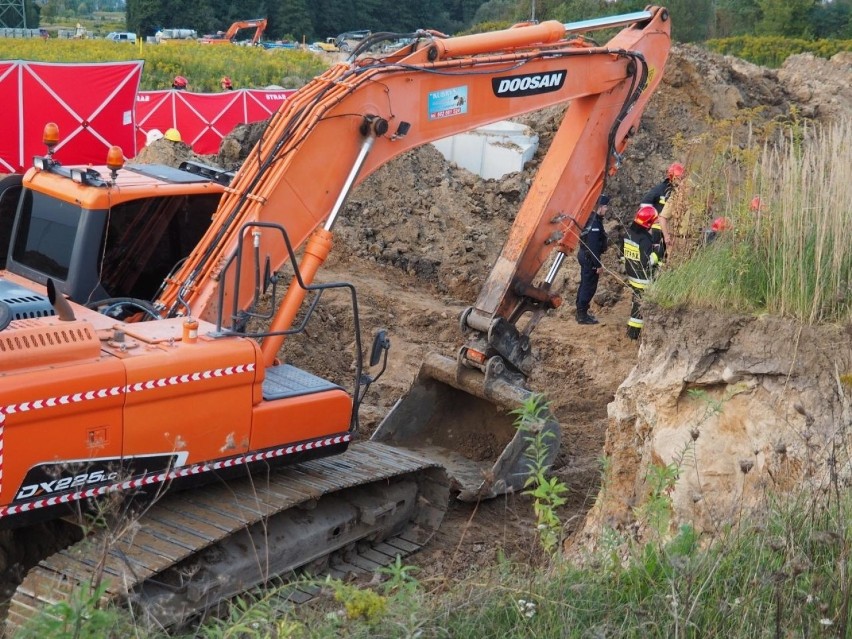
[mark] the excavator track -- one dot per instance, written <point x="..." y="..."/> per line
<point x="191" y="550"/>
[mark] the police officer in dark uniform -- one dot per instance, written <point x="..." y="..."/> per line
<point x="593" y="243"/>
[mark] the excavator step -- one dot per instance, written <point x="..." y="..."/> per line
<point x="191" y="550"/>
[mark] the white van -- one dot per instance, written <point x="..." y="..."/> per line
<point x="122" y="36"/>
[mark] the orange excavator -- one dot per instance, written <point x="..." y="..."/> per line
<point x="258" y="24"/>
<point x="132" y="362"/>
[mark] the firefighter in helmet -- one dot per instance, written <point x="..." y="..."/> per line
<point x="658" y="197"/>
<point x="640" y="259"/>
<point x="179" y="83"/>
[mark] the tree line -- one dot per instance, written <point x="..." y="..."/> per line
<point x="298" y="19"/>
<point x="693" y="20"/>
<point x="698" y="20"/>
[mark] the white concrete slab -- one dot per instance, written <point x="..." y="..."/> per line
<point x="491" y="151"/>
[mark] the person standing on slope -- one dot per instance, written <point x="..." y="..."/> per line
<point x="658" y="197"/>
<point x="639" y="262"/>
<point x="593" y="243"/>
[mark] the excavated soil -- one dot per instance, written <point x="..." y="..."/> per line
<point x="418" y="238"/>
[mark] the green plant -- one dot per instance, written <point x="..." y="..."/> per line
<point x="772" y="50"/>
<point x="203" y="65"/>
<point x="81" y="616"/>
<point x="656" y="511"/>
<point x="258" y="615"/>
<point x="400" y="577"/>
<point x="359" y="603"/>
<point x="793" y="255"/>
<point x="547" y="492"/>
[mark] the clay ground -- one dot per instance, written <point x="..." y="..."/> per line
<point x="580" y="368"/>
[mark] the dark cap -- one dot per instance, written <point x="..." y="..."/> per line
<point x="603" y="200"/>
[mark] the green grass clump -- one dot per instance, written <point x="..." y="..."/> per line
<point x="783" y="573"/>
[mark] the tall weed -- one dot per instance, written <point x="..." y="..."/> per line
<point x="792" y="255"/>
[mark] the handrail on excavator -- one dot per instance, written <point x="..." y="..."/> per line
<point x="607" y="22"/>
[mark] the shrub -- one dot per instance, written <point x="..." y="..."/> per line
<point x="771" y="51"/>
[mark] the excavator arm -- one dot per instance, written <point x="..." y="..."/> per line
<point x="259" y="25"/>
<point x="357" y="116"/>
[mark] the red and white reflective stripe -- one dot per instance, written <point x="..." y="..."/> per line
<point x="157" y="478"/>
<point x="152" y="384"/>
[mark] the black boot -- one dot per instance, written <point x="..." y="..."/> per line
<point x="633" y="332"/>
<point x="583" y="317"/>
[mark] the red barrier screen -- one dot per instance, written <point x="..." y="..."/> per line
<point x="91" y="103"/>
<point x="203" y="119"/>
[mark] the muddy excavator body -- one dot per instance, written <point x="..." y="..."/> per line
<point x="128" y="358"/>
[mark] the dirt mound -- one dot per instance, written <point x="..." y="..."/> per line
<point x="820" y="87"/>
<point x="737" y="406"/>
<point x="166" y="152"/>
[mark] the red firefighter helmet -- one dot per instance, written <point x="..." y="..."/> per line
<point x="179" y="82"/>
<point x="646" y="216"/>
<point x="721" y="224"/>
<point x="675" y="171"/>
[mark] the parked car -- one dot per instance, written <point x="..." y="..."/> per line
<point x="122" y="36"/>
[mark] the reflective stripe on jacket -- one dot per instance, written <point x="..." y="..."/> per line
<point x="637" y="249"/>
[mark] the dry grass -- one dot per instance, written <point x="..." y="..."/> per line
<point x="792" y="256"/>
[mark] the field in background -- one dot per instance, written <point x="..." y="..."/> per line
<point x="202" y="65"/>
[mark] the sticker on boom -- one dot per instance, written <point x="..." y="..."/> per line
<point x="516" y="86"/>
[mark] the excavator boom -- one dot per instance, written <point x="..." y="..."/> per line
<point x="372" y="110"/>
<point x="259" y="26"/>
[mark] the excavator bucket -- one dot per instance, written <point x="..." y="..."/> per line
<point x="455" y="416"/>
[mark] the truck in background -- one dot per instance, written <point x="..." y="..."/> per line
<point x="170" y="35"/>
<point x="122" y="36"/>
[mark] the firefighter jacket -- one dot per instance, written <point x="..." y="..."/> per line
<point x="639" y="256"/>
<point x="659" y="195"/>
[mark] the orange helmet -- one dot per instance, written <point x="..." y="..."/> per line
<point x="756" y="204"/>
<point x="721" y="224"/>
<point x="179" y="82"/>
<point x="646" y="216"/>
<point x="675" y="171"/>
